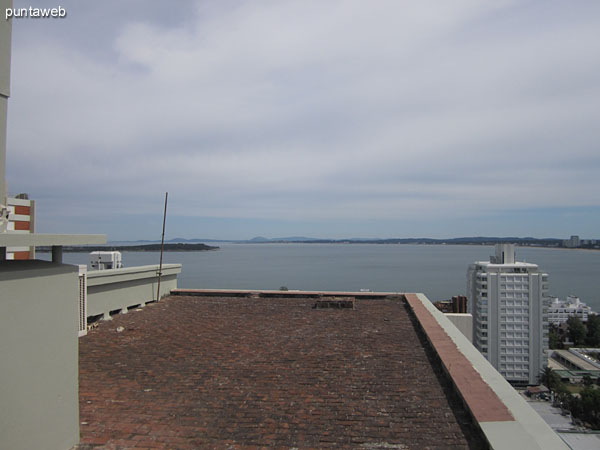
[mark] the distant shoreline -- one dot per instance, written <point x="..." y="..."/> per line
<point x="170" y="247"/>
<point x="553" y="244"/>
<point x="520" y="242"/>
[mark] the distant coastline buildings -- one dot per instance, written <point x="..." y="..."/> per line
<point x="458" y="305"/>
<point x="559" y="311"/>
<point x="575" y="242"/>
<point x="572" y="242"/>
<point x="508" y="302"/>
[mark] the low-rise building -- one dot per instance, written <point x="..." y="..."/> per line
<point x="559" y="311"/>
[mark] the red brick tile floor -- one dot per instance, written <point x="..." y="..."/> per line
<point x="210" y="372"/>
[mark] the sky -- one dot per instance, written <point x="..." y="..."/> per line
<point x="330" y="119"/>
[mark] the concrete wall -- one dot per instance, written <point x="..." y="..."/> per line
<point x="464" y="323"/>
<point x="39" y="405"/>
<point x="5" y="43"/>
<point x="118" y="289"/>
<point x="527" y="430"/>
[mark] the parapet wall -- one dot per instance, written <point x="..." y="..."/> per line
<point x="38" y="349"/>
<point x="118" y="289"/>
<point x="505" y="418"/>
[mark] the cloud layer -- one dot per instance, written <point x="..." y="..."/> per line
<point x="340" y="114"/>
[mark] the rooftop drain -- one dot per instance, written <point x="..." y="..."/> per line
<point x="335" y="303"/>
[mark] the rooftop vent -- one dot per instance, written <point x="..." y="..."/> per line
<point x="335" y="303"/>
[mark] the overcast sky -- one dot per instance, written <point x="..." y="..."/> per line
<point x="317" y="118"/>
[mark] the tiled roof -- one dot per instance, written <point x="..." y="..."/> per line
<point x="197" y="372"/>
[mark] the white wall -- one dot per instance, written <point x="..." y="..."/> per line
<point x="118" y="289"/>
<point x="39" y="406"/>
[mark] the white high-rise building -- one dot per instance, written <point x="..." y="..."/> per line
<point x="508" y="302"/>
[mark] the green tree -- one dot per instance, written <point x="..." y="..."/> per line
<point x="550" y="378"/>
<point x="590" y="406"/>
<point x="562" y="395"/>
<point x="577" y="331"/>
<point x="574" y="405"/>
<point x="555" y="341"/>
<point x="593" y="331"/>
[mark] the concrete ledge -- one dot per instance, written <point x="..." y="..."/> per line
<point x="102" y="277"/>
<point x="40" y="240"/>
<point x="32" y="268"/>
<point x="505" y="418"/>
<point x="116" y="290"/>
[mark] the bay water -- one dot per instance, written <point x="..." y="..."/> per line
<point x="439" y="271"/>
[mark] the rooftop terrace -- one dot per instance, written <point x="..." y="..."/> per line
<point x="195" y="372"/>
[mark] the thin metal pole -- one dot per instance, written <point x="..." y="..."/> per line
<point x="162" y="247"/>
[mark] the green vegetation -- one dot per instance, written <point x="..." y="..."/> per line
<point x="585" y="406"/>
<point x="555" y="338"/>
<point x="577" y="330"/>
<point x="550" y="378"/>
<point x="581" y="334"/>
<point x="592" y="338"/>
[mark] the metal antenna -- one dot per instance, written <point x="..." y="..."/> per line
<point x="162" y="246"/>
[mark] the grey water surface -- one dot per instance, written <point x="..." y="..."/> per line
<point x="439" y="271"/>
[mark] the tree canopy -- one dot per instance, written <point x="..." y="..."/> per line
<point x="593" y="331"/>
<point x="577" y="330"/>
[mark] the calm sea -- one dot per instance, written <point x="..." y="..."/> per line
<point x="439" y="271"/>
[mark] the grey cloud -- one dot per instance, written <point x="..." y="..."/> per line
<point x="321" y="110"/>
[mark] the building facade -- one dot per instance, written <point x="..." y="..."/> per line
<point x="560" y="311"/>
<point x="572" y="242"/>
<point x="21" y="220"/>
<point x="508" y="302"/>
